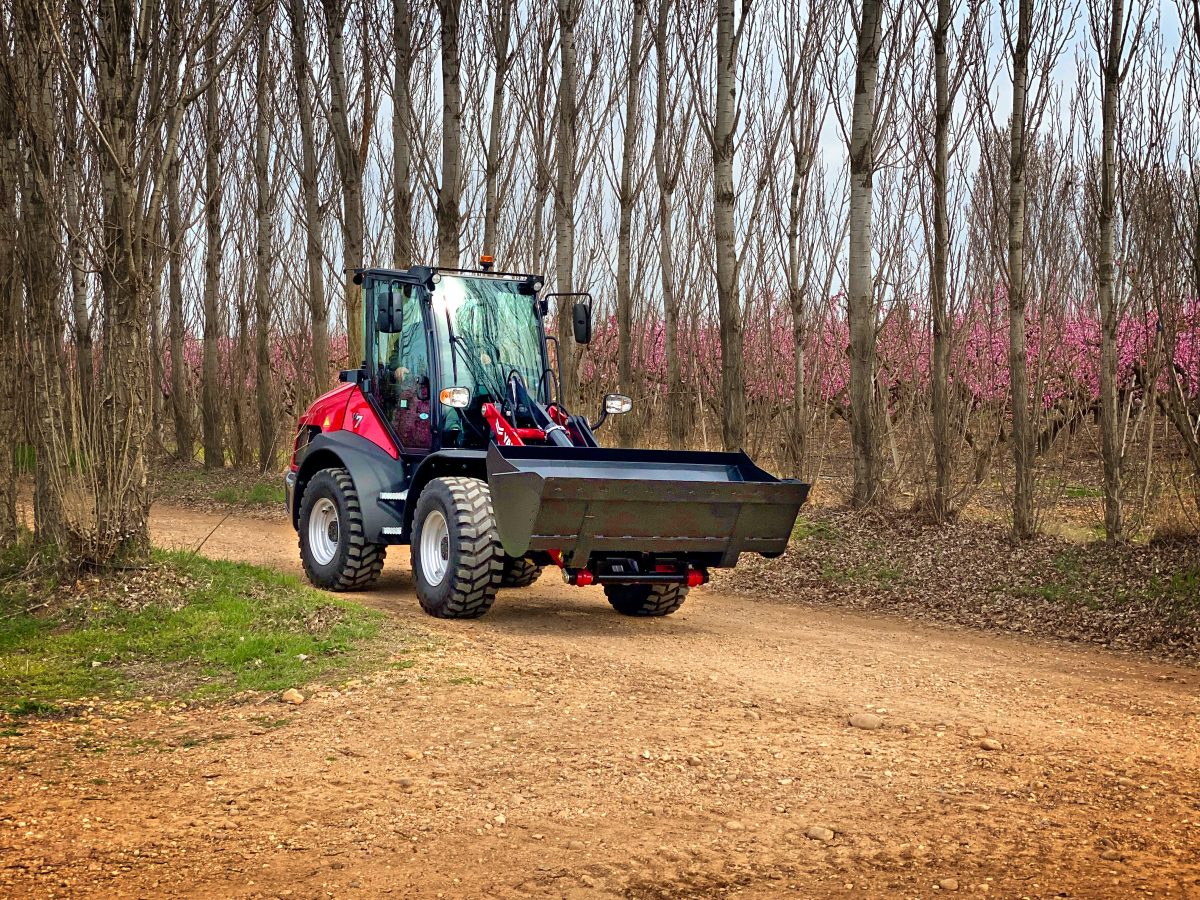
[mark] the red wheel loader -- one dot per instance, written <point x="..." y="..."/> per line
<point x="453" y="438"/>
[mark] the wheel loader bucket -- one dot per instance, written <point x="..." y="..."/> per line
<point x="585" y="500"/>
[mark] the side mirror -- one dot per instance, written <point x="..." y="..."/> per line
<point x="617" y="404"/>
<point x="389" y="312"/>
<point x="614" y="405"/>
<point x="581" y="319"/>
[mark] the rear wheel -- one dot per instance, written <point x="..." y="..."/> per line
<point x="457" y="560"/>
<point x="519" y="572"/>
<point x="333" y="546"/>
<point x="645" y="599"/>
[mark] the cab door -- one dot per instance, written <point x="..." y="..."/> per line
<point x="401" y="385"/>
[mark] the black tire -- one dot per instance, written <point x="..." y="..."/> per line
<point x="645" y="599"/>
<point x="474" y="559"/>
<point x="519" y="573"/>
<point x="355" y="563"/>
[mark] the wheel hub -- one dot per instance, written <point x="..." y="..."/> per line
<point x="435" y="547"/>
<point x="323" y="531"/>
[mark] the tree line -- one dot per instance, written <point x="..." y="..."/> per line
<point x="774" y="203"/>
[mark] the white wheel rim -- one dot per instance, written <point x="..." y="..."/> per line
<point x="323" y="531"/>
<point x="435" y="547"/>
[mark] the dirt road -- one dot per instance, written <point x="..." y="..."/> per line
<point x="554" y="748"/>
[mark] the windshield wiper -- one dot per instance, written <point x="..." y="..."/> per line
<point x="453" y="345"/>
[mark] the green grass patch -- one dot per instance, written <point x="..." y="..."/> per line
<point x="816" y="531"/>
<point x="261" y="494"/>
<point x="189" y="627"/>
<point x="1082" y="492"/>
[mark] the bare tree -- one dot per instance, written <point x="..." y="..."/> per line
<point x="350" y="166"/>
<point x="500" y="16"/>
<point x="140" y="99"/>
<point x="1022" y="437"/>
<point x="403" y="251"/>
<point x="212" y="425"/>
<point x="1111" y="38"/>
<point x="181" y="406"/>
<point x="10" y="294"/>
<point x="733" y="385"/>
<point x="626" y="198"/>
<point x="263" y="99"/>
<point x="564" y="192"/>
<point x="29" y="71"/>
<point x="806" y="104"/>
<point x="667" y="162"/>
<point x="860" y="299"/>
<point x="449" y="213"/>
<point x="318" y="307"/>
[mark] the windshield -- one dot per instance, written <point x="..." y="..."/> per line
<point x="492" y="330"/>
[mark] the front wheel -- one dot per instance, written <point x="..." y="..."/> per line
<point x="333" y="545"/>
<point x="645" y="599"/>
<point x="457" y="560"/>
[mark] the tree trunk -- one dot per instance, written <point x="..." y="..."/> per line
<point x="264" y="378"/>
<point x="729" y="308"/>
<point x="1110" y="408"/>
<point x="403" y="252"/>
<point x="38" y="231"/>
<point x="72" y="188"/>
<point x="1022" y="436"/>
<point x="211" y="388"/>
<point x="181" y="406"/>
<point x="626" y="199"/>
<point x="666" y="171"/>
<point x="448" y="212"/>
<point x="860" y="297"/>
<point x="942" y="455"/>
<point x="81" y="320"/>
<point x="501" y="61"/>
<point x="318" y="308"/>
<point x="564" y="196"/>
<point x="129" y="229"/>
<point x="10" y="313"/>
<point x="349" y="164"/>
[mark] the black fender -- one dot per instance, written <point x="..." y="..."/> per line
<point x="373" y="470"/>
<point x="466" y="463"/>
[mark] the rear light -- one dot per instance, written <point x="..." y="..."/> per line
<point x="696" y="577"/>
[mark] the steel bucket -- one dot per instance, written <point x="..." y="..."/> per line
<point x="586" y="500"/>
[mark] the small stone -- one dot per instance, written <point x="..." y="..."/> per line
<point x="866" y="721"/>
<point x="693" y="761"/>
<point x="501" y="820"/>
<point x="412" y="753"/>
<point x="1112" y="855"/>
<point x="575" y="845"/>
<point x="753" y="714"/>
<point x="977" y="731"/>
<point x="406" y="784"/>
<point x="293" y="696"/>
<point x="948" y="884"/>
<point x="990" y="744"/>
<point x="819" y="833"/>
<point x="734" y="825"/>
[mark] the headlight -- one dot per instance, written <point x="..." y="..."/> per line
<point x="616" y="404"/>
<point x="456" y="397"/>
